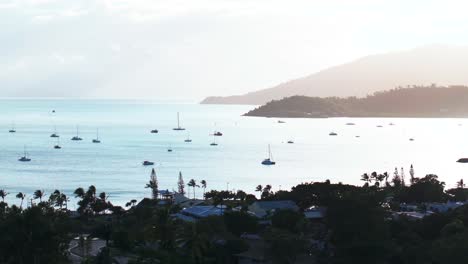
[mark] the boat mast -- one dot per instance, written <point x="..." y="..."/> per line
<point x="178" y="123"/>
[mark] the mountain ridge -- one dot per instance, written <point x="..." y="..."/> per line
<point x="438" y="64"/>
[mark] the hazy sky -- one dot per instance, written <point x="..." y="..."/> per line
<point x="194" y="48"/>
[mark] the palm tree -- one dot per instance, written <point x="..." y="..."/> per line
<point x="259" y="188"/>
<point x="79" y="193"/>
<point x="203" y="184"/>
<point x="21" y="196"/>
<point x="365" y="177"/>
<point x="460" y="184"/>
<point x="192" y="183"/>
<point x="38" y="194"/>
<point x="153" y="185"/>
<point x="3" y="194"/>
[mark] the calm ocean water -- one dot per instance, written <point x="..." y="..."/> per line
<point x="114" y="166"/>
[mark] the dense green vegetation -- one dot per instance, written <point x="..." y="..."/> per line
<point x="400" y="102"/>
<point x="360" y="226"/>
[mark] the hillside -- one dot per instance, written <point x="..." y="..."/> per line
<point x="404" y="102"/>
<point x="443" y="65"/>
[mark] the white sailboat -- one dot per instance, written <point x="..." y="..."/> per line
<point x="57" y="146"/>
<point x="13" y="129"/>
<point x="269" y="160"/>
<point x="97" y="140"/>
<point x="25" y="157"/>
<point x="77" y="137"/>
<point x="188" y="140"/>
<point x="214" y="141"/>
<point x="55" y="134"/>
<point x="178" y="128"/>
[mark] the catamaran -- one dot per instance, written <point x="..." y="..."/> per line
<point x="96" y="140"/>
<point x="178" y="128"/>
<point x="77" y="137"/>
<point x="25" y="157"/>
<point x="269" y="160"/>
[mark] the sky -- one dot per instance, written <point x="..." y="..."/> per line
<point x="195" y="48"/>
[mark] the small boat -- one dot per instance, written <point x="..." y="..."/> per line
<point x="154" y="131"/>
<point x="57" y="146"/>
<point x="358" y="136"/>
<point x="77" y="137"/>
<point x="269" y="160"/>
<point x="55" y="134"/>
<point x="169" y="149"/>
<point x="463" y="160"/>
<point x="281" y="122"/>
<point x="214" y="141"/>
<point x="379" y="126"/>
<point x="333" y="134"/>
<point x="188" y="140"/>
<point x="391" y="124"/>
<point x="53" y="111"/>
<point x="178" y="128"/>
<point x="290" y="142"/>
<point x="96" y="140"/>
<point x="218" y="134"/>
<point x="12" y="130"/>
<point x="350" y="124"/>
<point x="147" y="163"/>
<point x="411" y="139"/>
<point x="25" y="157"/>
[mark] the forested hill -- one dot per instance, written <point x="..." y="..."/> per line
<point x="400" y="102"/>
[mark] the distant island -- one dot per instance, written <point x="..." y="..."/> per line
<point x="440" y="64"/>
<point x="418" y="101"/>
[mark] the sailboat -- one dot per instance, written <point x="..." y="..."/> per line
<point x="25" y="157"/>
<point x="55" y="134"/>
<point x="77" y="137"/>
<point x="12" y="130"/>
<point x="188" y="140"/>
<point x="178" y="128"/>
<point x="96" y="140"/>
<point x="57" y="146"/>
<point x="269" y="160"/>
<point x="214" y="141"/>
<point x="169" y="149"/>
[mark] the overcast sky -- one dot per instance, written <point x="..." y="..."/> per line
<point x="194" y="48"/>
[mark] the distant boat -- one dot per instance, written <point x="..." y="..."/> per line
<point x="379" y="126"/>
<point x="214" y="142"/>
<point x="333" y="134"/>
<point x="169" y="149"/>
<point x="358" y="136"/>
<point x="25" y="157"/>
<point x="218" y="134"/>
<point x="55" y="134"/>
<point x="96" y="140"/>
<point x="57" y="146"/>
<point x="77" y="137"/>
<point x="269" y="160"/>
<point x="290" y="142"/>
<point x="188" y="140"/>
<point x="154" y="131"/>
<point x="53" y="111"/>
<point x="391" y="124"/>
<point x="147" y="163"/>
<point x="13" y="129"/>
<point x="350" y="124"/>
<point x="281" y="122"/>
<point x="411" y="139"/>
<point x="178" y="128"/>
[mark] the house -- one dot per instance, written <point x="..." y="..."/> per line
<point x="443" y="207"/>
<point x="262" y="209"/>
<point x="193" y="213"/>
<point x="315" y="213"/>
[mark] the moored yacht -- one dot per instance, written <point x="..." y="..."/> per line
<point x="97" y="140"/>
<point x="25" y="157"/>
<point x="269" y="160"/>
<point x="77" y="137"/>
<point x="178" y="128"/>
